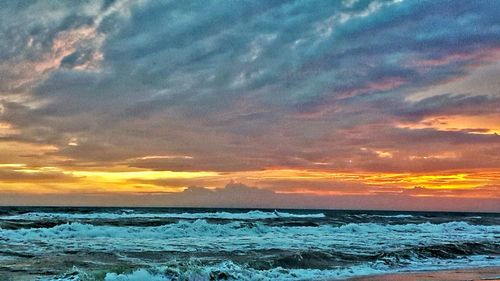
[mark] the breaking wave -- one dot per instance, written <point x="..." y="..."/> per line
<point x="202" y="227"/>
<point x="250" y="215"/>
<point x="227" y="270"/>
<point x="192" y="244"/>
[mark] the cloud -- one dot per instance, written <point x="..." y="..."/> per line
<point x="17" y="176"/>
<point x="241" y="196"/>
<point x="251" y="86"/>
<point x="232" y="195"/>
<point x="490" y="191"/>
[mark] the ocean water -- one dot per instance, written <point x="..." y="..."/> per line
<point x="159" y="244"/>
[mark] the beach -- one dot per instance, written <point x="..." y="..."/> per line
<point x="469" y="274"/>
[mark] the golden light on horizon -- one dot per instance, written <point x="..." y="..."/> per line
<point x="52" y="179"/>
<point x="88" y="106"/>
<point x="482" y="124"/>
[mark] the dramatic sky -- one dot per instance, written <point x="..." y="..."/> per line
<point x="327" y="104"/>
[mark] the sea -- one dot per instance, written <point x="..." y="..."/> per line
<point x="160" y="244"/>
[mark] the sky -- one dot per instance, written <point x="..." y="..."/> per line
<point x="354" y="104"/>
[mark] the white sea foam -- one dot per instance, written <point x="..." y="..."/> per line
<point x="233" y="271"/>
<point x="194" y="233"/>
<point x="228" y="270"/>
<point x="199" y="235"/>
<point x="127" y="214"/>
<point x="202" y="227"/>
<point x="138" y="275"/>
<point x="396" y="216"/>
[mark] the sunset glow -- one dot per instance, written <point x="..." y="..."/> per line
<point x="353" y="99"/>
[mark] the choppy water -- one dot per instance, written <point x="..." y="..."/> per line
<point x="116" y="244"/>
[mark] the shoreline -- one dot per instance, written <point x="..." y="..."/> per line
<point x="490" y="273"/>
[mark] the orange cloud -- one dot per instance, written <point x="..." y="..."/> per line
<point x="481" y="124"/>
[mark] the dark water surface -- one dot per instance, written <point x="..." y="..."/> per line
<point x="139" y="244"/>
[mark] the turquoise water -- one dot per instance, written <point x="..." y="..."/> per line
<point x="132" y="244"/>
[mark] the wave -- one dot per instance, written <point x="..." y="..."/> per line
<point x="193" y="270"/>
<point x="396" y="216"/>
<point x="254" y="250"/>
<point x="441" y="251"/>
<point x="231" y="271"/>
<point x="130" y="214"/>
<point x="314" y="259"/>
<point x="201" y="235"/>
<point x="227" y="270"/>
<point x="201" y="227"/>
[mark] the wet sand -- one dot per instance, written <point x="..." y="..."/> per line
<point x="473" y="274"/>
